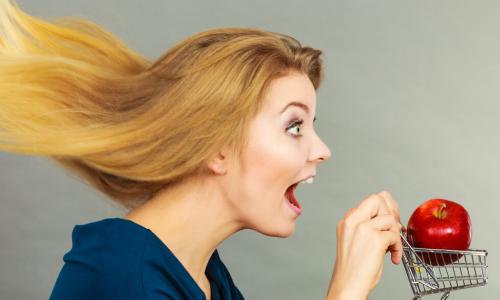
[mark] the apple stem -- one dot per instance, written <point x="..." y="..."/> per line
<point x="441" y="212"/>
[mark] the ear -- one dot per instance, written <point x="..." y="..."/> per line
<point x="218" y="164"/>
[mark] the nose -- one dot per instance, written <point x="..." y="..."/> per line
<point x="320" y="151"/>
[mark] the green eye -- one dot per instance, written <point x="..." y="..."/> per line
<point x="294" y="128"/>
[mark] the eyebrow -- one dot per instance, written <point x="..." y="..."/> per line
<point x="297" y="104"/>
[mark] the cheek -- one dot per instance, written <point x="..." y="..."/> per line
<point x="272" y="165"/>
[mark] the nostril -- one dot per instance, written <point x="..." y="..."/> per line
<point x="319" y="158"/>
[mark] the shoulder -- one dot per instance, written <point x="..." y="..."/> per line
<point x="116" y="259"/>
<point x="103" y="263"/>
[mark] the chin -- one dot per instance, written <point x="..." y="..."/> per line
<point x="282" y="231"/>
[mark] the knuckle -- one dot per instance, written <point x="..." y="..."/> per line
<point x="386" y="194"/>
<point x="394" y="219"/>
<point x="396" y="225"/>
<point x="348" y="223"/>
<point x="349" y="213"/>
<point x="375" y="198"/>
<point x="380" y="198"/>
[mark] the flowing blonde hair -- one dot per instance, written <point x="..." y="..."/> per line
<point x="73" y="92"/>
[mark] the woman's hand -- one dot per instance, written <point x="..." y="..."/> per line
<point x="364" y="236"/>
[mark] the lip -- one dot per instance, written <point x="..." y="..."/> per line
<point x="297" y="210"/>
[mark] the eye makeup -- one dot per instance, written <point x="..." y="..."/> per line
<point x="295" y="123"/>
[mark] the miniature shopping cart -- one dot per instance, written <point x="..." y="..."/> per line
<point x="465" y="269"/>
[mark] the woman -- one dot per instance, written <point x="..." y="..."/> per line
<point x="211" y="138"/>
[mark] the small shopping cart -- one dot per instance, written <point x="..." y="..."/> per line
<point x="432" y="271"/>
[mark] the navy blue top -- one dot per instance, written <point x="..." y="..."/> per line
<point x="116" y="258"/>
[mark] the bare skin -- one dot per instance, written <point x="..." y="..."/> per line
<point x="191" y="223"/>
<point x="364" y="236"/>
<point x="195" y="216"/>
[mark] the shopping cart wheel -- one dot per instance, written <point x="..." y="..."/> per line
<point x="445" y="295"/>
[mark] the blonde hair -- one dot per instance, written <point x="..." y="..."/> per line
<point x="73" y="92"/>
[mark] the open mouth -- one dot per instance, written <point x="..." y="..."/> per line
<point x="289" y="194"/>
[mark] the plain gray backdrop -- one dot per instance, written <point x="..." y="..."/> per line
<point x="410" y="103"/>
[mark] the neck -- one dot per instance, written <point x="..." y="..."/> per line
<point x="192" y="219"/>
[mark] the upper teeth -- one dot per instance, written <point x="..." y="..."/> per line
<point x="309" y="180"/>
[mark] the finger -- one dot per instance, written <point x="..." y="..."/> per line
<point x="384" y="223"/>
<point x="371" y="207"/>
<point x="345" y="227"/>
<point x="391" y="203"/>
<point x="394" y="245"/>
<point x="349" y="212"/>
<point x="387" y="228"/>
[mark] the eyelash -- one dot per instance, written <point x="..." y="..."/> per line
<point x="294" y="124"/>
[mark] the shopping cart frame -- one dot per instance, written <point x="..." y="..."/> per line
<point x="469" y="269"/>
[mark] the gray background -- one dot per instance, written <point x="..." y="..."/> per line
<point x="409" y="104"/>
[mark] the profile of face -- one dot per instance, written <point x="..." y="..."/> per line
<point x="282" y="150"/>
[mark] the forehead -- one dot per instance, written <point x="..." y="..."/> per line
<point x="292" y="87"/>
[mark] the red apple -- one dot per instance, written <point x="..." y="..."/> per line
<point x="440" y="224"/>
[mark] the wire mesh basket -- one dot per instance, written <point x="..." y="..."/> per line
<point x="432" y="271"/>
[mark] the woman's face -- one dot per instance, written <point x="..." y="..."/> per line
<point x="283" y="149"/>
